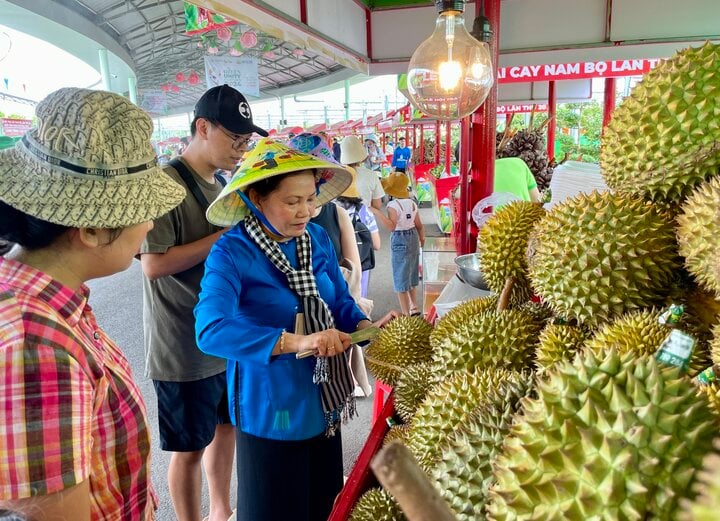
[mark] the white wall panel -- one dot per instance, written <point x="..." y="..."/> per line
<point x="288" y="7"/>
<point x="396" y="33"/>
<point x="541" y="23"/>
<point x="341" y="20"/>
<point x="652" y="19"/>
<point x="537" y="92"/>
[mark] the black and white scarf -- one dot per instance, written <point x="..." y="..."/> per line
<point x="331" y="373"/>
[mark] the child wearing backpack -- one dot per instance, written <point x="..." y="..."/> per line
<point x="406" y="238"/>
<point x="367" y="234"/>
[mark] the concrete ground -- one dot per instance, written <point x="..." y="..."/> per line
<point x="117" y="303"/>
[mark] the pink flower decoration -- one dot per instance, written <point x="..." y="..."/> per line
<point x="180" y="77"/>
<point x="249" y="39"/>
<point x="224" y="34"/>
<point x="165" y="87"/>
<point x="298" y="52"/>
<point x="269" y="55"/>
<point x="175" y="88"/>
<point x="193" y="79"/>
<point x="234" y="52"/>
<point x="212" y="50"/>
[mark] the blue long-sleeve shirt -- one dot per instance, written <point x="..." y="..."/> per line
<point x="244" y="305"/>
<point x="400" y="157"/>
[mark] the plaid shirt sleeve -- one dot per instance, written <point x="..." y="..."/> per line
<point x="47" y="408"/>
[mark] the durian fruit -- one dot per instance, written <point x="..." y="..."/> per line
<point x="377" y="505"/>
<point x="641" y="332"/>
<point x="697" y="234"/>
<point x="402" y="343"/>
<point x="411" y="388"/>
<point x="448" y="405"/>
<point x="463" y="471"/>
<point x="502" y="245"/>
<point x="712" y="392"/>
<point x="599" y="255"/>
<point x="609" y="437"/>
<point x="397" y="433"/>
<point x="706" y="505"/>
<point x="665" y="138"/>
<point x="558" y="342"/>
<point x="492" y="339"/>
<point x="529" y="145"/>
<point x="459" y="315"/>
<point x="715" y="345"/>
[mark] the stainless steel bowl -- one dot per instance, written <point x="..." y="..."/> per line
<point x="469" y="271"/>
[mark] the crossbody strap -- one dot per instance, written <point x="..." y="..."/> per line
<point x="190" y="182"/>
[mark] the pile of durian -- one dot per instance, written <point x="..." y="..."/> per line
<point x="548" y="402"/>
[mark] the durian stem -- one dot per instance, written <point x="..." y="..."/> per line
<point x="384" y="364"/>
<point x="504" y="299"/>
<point x="398" y="472"/>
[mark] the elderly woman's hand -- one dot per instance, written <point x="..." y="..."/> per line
<point x="330" y="342"/>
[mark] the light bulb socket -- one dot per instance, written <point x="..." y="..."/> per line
<point x="444" y="6"/>
<point x="481" y="29"/>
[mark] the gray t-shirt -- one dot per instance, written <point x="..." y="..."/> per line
<point x="171" y="353"/>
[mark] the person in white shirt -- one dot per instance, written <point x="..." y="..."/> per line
<point x="353" y="153"/>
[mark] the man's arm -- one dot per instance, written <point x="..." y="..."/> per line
<point x="178" y="258"/>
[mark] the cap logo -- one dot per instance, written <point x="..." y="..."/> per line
<point x="244" y="110"/>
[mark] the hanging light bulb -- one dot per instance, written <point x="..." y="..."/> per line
<point x="450" y="74"/>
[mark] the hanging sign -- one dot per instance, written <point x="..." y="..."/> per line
<point x="521" y="109"/>
<point x="154" y="101"/>
<point x="15" y="127"/>
<point x="238" y="72"/>
<point x="201" y="20"/>
<point x="575" y="70"/>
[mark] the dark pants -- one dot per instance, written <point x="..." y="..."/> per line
<point x="288" y="480"/>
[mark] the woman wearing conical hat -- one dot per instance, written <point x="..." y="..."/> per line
<point x="275" y="305"/>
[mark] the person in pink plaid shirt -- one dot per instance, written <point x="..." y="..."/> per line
<point x="77" y="195"/>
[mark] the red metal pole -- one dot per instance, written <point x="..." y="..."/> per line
<point x="303" y="11"/>
<point x="437" y="142"/>
<point x="464" y="159"/>
<point x="422" y="144"/>
<point x="482" y="148"/>
<point x="552" y="102"/>
<point x="609" y="102"/>
<point x="448" y="147"/>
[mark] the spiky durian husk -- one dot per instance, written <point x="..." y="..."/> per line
<point x="449" y="403"/>
<point x="664" y="138"/>
<point x="502" y="245"/>
<point x="397" y="433"/>
<point x="377" y="505"/>
<point x="609" y="437"/>
<point x="558" y="342"/>
<point x="412" y="386"/>
<point x="706" y="505"/>
<point x="540" y="312"/>
<point x="463" y="471"/>
<point x="641" y="332"/>
<point x="712" y="392"/>
<point x="402" y="343"/>
<point x="459" y="315"/>
<point x="697" y="233"/>
<point x="491" y="339"/>
<point x="599" y="255"/>
<point x="715" y="345"/>
<point x="704" y="308"/>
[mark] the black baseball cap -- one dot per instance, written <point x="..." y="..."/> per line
<point x="229" y="108"/>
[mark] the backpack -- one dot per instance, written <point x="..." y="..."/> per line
<point x="363" y="237"/>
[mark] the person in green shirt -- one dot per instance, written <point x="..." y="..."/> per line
<point x="514" y="176"/>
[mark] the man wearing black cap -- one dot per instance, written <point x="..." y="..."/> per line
<point x="190" y="386"/>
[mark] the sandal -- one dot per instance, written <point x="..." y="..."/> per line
<point x="414" y="313"/>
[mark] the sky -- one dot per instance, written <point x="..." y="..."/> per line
<point x="34" y="68"/>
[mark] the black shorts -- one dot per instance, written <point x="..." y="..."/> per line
<point x="189" y="412"/>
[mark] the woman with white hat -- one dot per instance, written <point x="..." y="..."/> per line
<point x="275" y="305"/>
<point x="77" y="196"/>
<point x="353" y="154"/>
